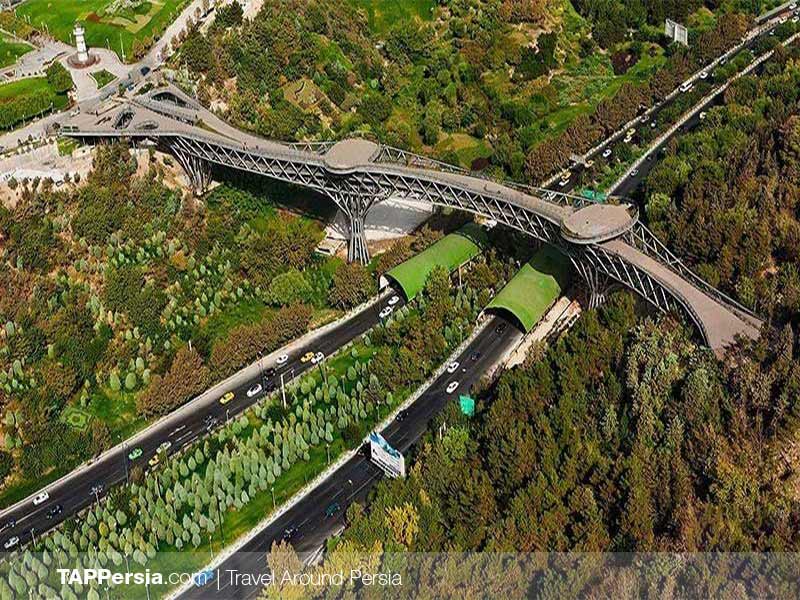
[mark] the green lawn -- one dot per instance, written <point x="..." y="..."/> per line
<point x="46" y="97"/>
<point x="383" y="14"/>
<point x="10" y="51"/>
<point x="117" y="31"/>
<point x="103" y="78"/>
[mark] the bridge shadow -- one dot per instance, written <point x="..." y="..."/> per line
<point x="302" y="201"/>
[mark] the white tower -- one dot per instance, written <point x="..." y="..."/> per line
<point x="80" y="43"/>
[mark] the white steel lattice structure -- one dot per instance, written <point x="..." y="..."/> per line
<point x="606" y="243"/>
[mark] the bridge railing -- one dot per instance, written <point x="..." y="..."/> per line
<point x="644" y="240"/>
<point x="392" y="155"/>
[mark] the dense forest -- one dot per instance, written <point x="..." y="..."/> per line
<point x="512" y="86"/>
<point x="105" y="281"/>
<point x="726" y="196"/>
<point x="622" y="436"/>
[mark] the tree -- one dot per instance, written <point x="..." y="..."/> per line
<point x="187" y="377"/>
<point x="58" y="77"/>
<point x="290" y="287"/>
<point x="352" y="285"/>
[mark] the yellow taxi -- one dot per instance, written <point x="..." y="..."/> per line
<point x="306" y="357"/>
<point x="153" y="461"/>
<point x="226" y="398"/>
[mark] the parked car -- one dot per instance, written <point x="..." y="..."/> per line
<point x="226" y="398"/>
<point x="255" y="390"/>
<point x="451" y="387"/>
<point x="40" y="498"/>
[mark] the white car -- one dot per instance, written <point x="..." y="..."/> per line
<point x="606" y="152"/>
<point x="634" y="173"/>
<point x="386" y="312"/>
<point x="703" y="115"/>
<point x="793" y="5"/>
<point x="164" y="446"/>
<point x="282" y="359"/>
<point x="451" y="387"/>
<point x="703" y="74"/>
<point x="318" y="358"/>
<point x="685" y="87"/>
<point x="256" y="389"/>
<point x="795" y="19"/>
<point x="40" y="498"/>
<point x="452" y="367"/>
<point x="394" y="300"/>
<point x="563" y="182"/>
<point x="11" y="542"/>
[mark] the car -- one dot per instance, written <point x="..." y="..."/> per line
<point x="211" y="422"/>
<point x="270" y="372"/>
<point x="134" y="454"/>
<point x="589" y="163"/>
<point x="203" y="578"/>
<point x="144" y="71"/>
<point x="793" y="5"/>
<point x="703" y="115"/>
<point x="318" y="358"/>
<point x="11" y="542"/>
<point x="722" y="61"/>
<point x="703" y="74"/>
<point x="606" y="152"/>
<point x="226" y="398"/>
<point x="10" y="524"/>
<point x="653" y="125"/>
<point x="686" y="86"/>
<point x="40" y="498"/>
<point x="289" y="533"/>
<point x="631" y="132"/>
<point x="96" y="490"/>
<point x="401" y="416"/>
<point x="563" y="182"/>
<point x="154" y="460"/>
<point x="386" y="312"/>
<point x="306" y="357"/>
<point x="451" y="387"/>
<point x="452" y="367"/>
<point x="164" y="446"/>
<point x="474" y="356"/>
<point x="501" y="328"/>
<point x="634" y="173"/>
<point x="282" y="359"/>
<point x="55" y="511"/>
<point x="255" y="390"/>
<point x="332" y="509"/>
<point x="795" y="19"/>
<point x="394" y="300"/>
<point x="645" y="118"/>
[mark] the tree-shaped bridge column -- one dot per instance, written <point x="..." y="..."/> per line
<point x="197" y="169"/>
<point x="355" y="207"/>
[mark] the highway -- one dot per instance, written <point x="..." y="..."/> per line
<point x="86" y="485"/>
<point x="353" y="480"/>
<point x="579" y="174"/>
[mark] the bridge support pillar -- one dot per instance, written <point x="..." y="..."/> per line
<point x="598" y="285"/>
<point x="355" y="208"/>
<point x="197" y="169"/>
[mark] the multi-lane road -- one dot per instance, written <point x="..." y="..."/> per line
<point x="308" y="519"/>
<point x="89" y="483"/>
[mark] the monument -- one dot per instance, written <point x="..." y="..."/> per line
<point x="82" y="58"/>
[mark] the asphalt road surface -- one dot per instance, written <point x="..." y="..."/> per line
<point x="353" y="480"/>
<point x="87" y="485"/>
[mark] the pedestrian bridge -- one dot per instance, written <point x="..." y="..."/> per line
<point x="605" y="242"/>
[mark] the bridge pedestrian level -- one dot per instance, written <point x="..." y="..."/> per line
<point x="605" y="242"/>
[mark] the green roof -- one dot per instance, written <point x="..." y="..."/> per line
<point x="450" y="252"/>
<point x="532" y="291"/>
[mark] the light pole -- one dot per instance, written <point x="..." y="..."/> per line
<point x="283" y="386"/>
<point x="210" y="547"/>
<point x="272" y="489"/>
<point x="328" y="450"/>
<point x="227" y="416"/>
<point x="125" y="458"/>
<point x="33" y="536"/>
